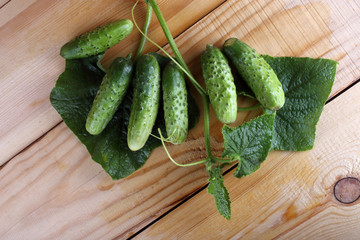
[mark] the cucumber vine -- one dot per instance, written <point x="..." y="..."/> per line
<point x="210" y="159"/>
<point x="212" y="164"/>
<point x="145" y="30"/>
<point x="290" y="128"/>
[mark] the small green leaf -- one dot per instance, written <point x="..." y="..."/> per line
<point x="307" y="84"/>
<point x="72" y="97"/>
<point x="217" y="189"/>
<point x="249" y="143"/>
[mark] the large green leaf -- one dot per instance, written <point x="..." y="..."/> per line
<point x="72" y="97"/>
<point x="249" y="143"/>
<point x="307" y="84"/>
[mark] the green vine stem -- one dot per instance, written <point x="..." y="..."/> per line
<point x="179" y="57"/>
<point x="145" y="31"/>
<point x="207" y="127"/>
<point x="173" y="46"/>
<point x="245" y="109"/>
<point x="177" y="164"/>
<point x="186" y="70"/>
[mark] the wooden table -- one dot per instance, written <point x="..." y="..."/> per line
<point x="51" y="189"/>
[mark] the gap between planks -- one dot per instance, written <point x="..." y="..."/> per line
<point x="200" y="189"/>
<point x="31" y="144"/>
<point x="3" y="3"/>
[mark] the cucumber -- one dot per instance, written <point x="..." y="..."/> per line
<point x="220" y="84"/>
<point x="256" y="72"/>
<point x="97" y="41"/>
<point x="110" y="94"/>
<point x="175" y="103"/>
<point x="145" y="105"/>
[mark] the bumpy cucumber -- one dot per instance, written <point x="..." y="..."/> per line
<point x="97" y="40"/>
<point x="256" y="72"/>
<point x="110" y="94"/>
<point x="175" y="103"/>
<point x="219" y="84"/>
<point x="145" y="103"/>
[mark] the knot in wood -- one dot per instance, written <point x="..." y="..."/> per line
<point x="347" y="190"/>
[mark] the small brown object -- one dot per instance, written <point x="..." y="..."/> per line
<point x="347" y="190"/>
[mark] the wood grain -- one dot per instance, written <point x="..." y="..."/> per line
<point x="290" y="196"/>
<point x="53" y="190"/>
<point x="3" y="3"/>
<point x="326" y="29"/>
<point x="11" y="8"/>
<point x="32" y="33"/>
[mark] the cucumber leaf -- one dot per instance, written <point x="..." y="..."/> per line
<point x="72" y="98"/>
<point x="249" y="143"/>
<point x="307" y="85"/>
<point x="217" y="189"/>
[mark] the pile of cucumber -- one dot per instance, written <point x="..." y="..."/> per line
<point x="139" y="85"/>
<point x="150" y="81"/>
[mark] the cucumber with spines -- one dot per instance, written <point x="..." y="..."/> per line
<point x="175" y="103"/>
<point x="220" y="84"/>
<point x="97" y="41"/>
<point x="256" y="72"/>
<point x="146" y="98"/>
<point x="110" y="94"/>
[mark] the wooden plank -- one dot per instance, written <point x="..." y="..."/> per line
<point x="3" y="3"/>
<point x="327" y="29"/>
<point x="10" y="8"/>
<point x="54" y="189"/>
<point x="32" y="33"/>
<point x="54" y="186"/>
<point x="290" y="196"/>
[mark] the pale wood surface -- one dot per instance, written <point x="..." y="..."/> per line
<point x="3" y="3"/>
<point x="54" y="185"/>
<point x="52" y="189"/>
<point x="290" y="196"/>
<point x="31" y="34"/>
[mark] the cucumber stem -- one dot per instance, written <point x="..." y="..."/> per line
<point x="183" y="68"/>
<point x="223" y="160"/>
<point x="207" y="127"/>
<point x="173" y="46"/>
<point x="177" y="164"/>
<point x="210" y="160"/>
<point x="145" y="30"/>
<point x="245" y="109"/>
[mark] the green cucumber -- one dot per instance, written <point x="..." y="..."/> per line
<point x="110" y="94"/>
<point x="145" y="105"/>
<point x="256" y="72"/>
<point x="175" y="103"/>
<point x="97" y="41"/>
<point x="220" y="84"/>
